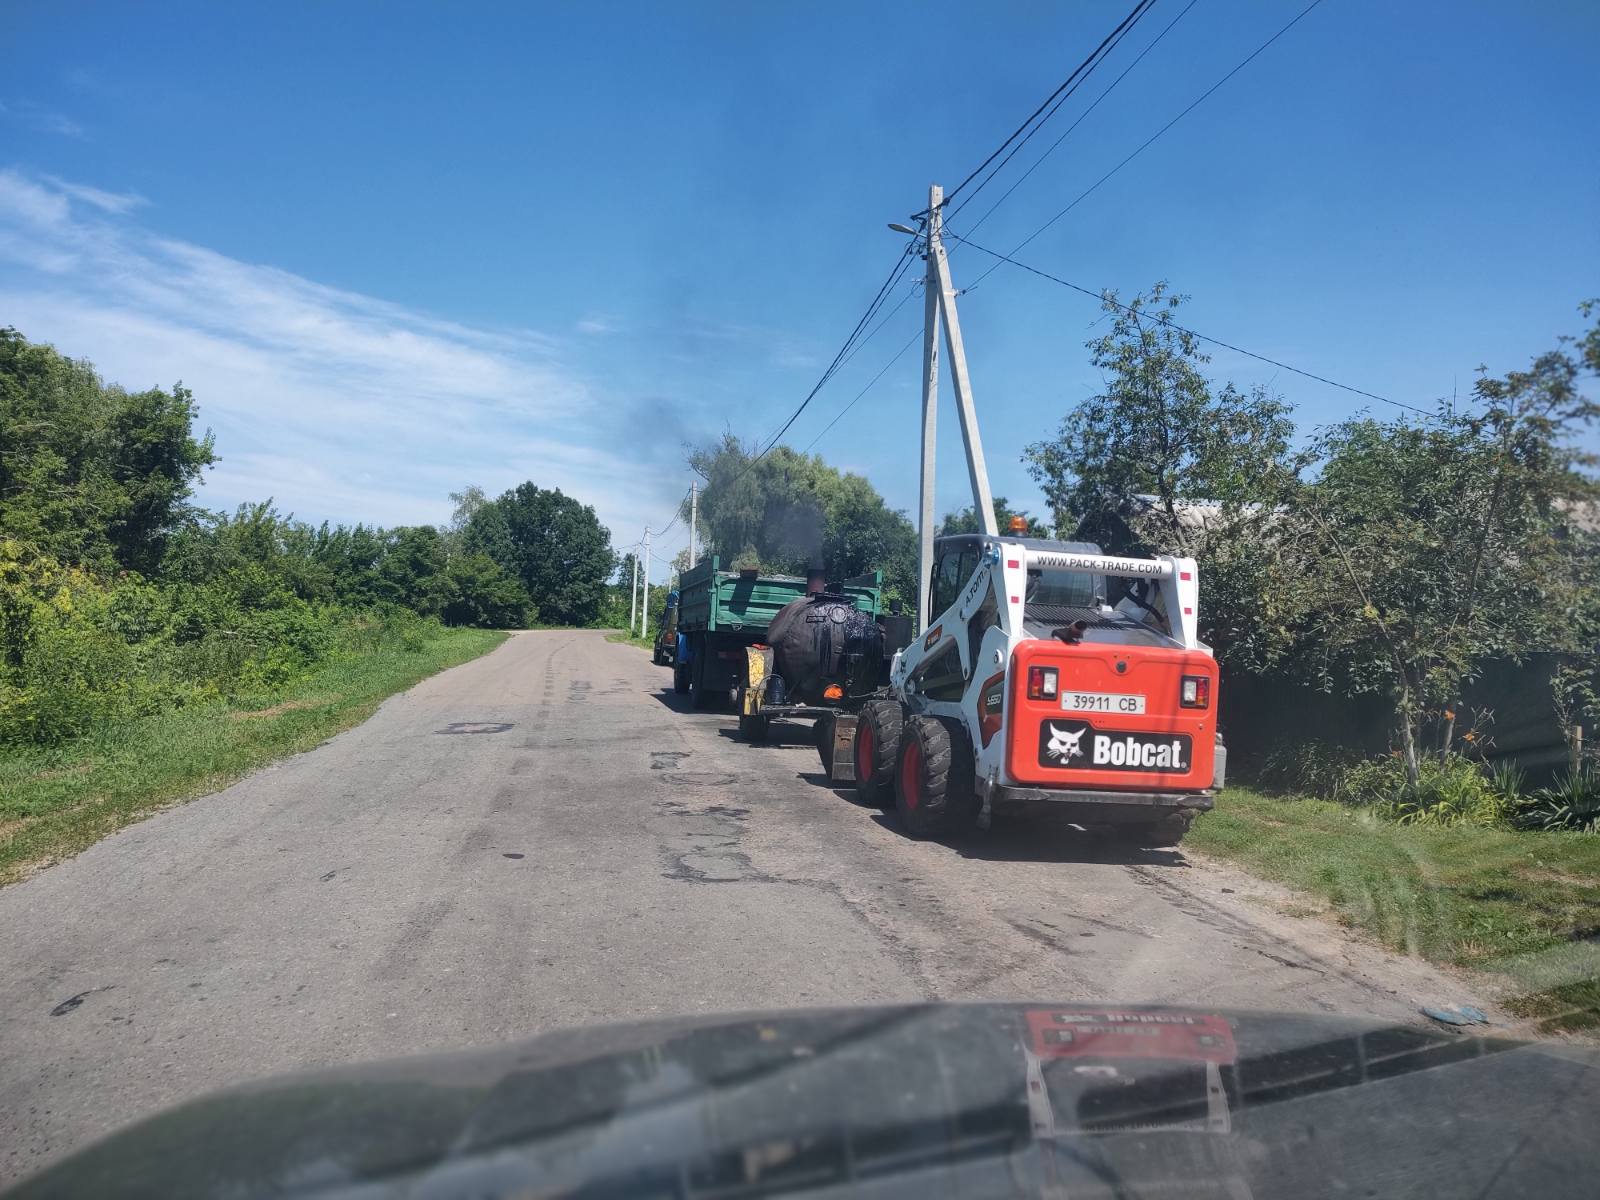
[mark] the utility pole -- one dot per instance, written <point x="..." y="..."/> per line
<point x="633" y="596"/>
<point x="694" y="518"/>
<point x="939" y="306"/>
<point x="644" y="609"/>
<point x="930" y="412"/>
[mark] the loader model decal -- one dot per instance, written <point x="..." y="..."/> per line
<point x="1081" y="747"/>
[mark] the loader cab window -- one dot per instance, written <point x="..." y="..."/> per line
<point x="950" y="574"/>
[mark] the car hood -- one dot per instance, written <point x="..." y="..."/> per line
<point x="970" y="1099"/>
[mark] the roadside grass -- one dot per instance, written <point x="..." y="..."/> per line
<point x="623" y="637"/>
<point x="1522" y="905"/>
<point x="57" y="802"/>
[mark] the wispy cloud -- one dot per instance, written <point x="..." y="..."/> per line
<point x="40" y="119"/>
<point x="111" y="202"/>
<point x="596" y="324"/>
<point x="337" y="404"/>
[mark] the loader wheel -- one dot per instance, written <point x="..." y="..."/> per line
<point x="680" y="679"/>
<point x="877" y="739"/>
<point x="1168" y="831"/>
<point x="934" y="778"/>
<point x="822" y="731"/>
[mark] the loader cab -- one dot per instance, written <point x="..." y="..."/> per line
<point x="1050" y="593"/>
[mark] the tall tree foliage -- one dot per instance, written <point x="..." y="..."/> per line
<point x="1184" y="468"/>
<point x="90" y="473"/>
<point x="554" y="545"/>
<point x="1425" y="548"/>
<point x="785" y="510"/>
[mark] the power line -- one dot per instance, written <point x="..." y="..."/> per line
<point x="1081" y="117"/>
<point x="1087" y="64"/>
<point x="1149" y="141"/>
<point x="899" y="354"/>
<point x="1105" y="298"/>
<point x="901" y="263"/>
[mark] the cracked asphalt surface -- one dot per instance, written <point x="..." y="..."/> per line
<point x="548" y="837"/>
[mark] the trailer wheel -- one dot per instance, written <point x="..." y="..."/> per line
<point x="877" y="741"/>
<point x="822" y="732"/>
<point x="933" y="779"/>
<point x="1168" y="831"/>
<point x="680" y="679"/>
<point x="753" y="727"/>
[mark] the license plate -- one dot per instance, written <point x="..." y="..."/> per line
<point x="1101" y="702"/>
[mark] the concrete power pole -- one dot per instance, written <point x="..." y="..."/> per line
<point x="644" y="609"/>
<point x="694" y="519"/>
<point x="633" y="596"/>
<point x="930" y="413"/>
<point x="939" y="307"/>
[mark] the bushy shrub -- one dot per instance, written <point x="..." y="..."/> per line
<point x="1450" y="790"/>
<point x="1309" y="768"/>
<point x="1572" y="802"/>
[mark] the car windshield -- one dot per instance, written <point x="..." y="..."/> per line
<point x="570" y="536"/>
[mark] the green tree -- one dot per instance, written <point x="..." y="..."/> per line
<point x="412" y="571"/>
<point x="966" y="520"/>
<point x="554" y="545"/>
<point x="1175" y="466"/>
<point x="1427" y="547"/>
<point x="481" y="593"/>
<point x="1160" y="429"/>
<point x="786" y="509"/>
<point x="91" y="473"/>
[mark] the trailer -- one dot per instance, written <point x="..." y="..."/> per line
<point x="721" y="613"/>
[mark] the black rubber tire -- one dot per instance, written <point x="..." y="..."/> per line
<point x="752" y="728"/>
<point x="697" y="684"/>
<point x="1168" y="831"/>
<point x="680" y="679"/>
<point x="876" y="747"/>
<point x="934" y="782"/>
<point x="822" y="735"/>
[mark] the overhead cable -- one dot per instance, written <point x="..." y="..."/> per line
<point x="1106" y="298"/>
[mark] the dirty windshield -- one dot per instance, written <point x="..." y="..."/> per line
<point x="578" y="580"/>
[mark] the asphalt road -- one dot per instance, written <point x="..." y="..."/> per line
<point x="548" y="837"/>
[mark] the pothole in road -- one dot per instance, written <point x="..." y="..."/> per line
<point x="698" y="778"/>
<point x="477" y="727"/>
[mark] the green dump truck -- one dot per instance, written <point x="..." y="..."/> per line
<point x="721" y="613"/>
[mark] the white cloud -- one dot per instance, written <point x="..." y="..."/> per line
<point x="111" y="202"/>
<point x="596" y="324"/>
<point x="337" y="404"/>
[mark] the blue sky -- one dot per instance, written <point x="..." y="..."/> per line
<point x="400" y="248"/>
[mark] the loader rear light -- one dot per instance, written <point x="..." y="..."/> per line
<point x="1041" y="683"/>
<point x="1195" y="692"/>
<point x="833" y="692"/>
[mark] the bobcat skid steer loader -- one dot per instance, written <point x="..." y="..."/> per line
<point x="1028" y="689"/>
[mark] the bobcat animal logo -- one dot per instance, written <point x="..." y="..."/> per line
<point x="1065" y="746"/>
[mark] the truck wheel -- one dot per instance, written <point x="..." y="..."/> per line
<point x="877" y="739"/>
<point x="680" y="679"/>
<point x="697" y="684"/>
<point x="822" y="732"/>
<point x="933" y="779"/>
<point x="1168" y="831"/>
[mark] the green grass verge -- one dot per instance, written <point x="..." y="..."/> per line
<point x="625" y="638"/>
<point x="1522" y="905"/>
<point x="55" y="803"/>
